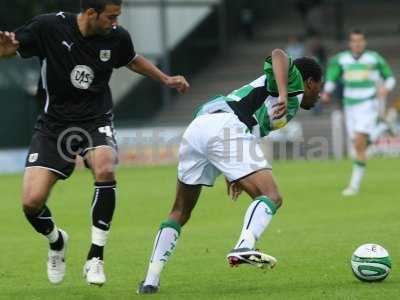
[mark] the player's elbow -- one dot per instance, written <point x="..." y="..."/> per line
<point x="390" y="83"/>
<point x="278" y="53"/>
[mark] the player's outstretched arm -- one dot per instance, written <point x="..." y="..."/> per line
<point x="143" y="66"/>
<point x="8" y="44"/>
<point x="280" y="67"/>
<point x="387" y="75"/>
<point x="333" y="74"/>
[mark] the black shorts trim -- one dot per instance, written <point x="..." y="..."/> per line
<point x="59" y="173"/>
<point x="243" y="177"/>
<point x="194" y="185"/>
<point x="84" y="152"/>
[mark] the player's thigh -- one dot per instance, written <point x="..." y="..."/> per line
<point x="100" y="151"/>
<point x="350" y="120"/>
<point x="36" y="187"/>
<point x="102" y="161"/>
<point x="261" y="183"/>
<point x="185" y="200"/>
<point x="366" y="117"/>
<point x="236" y="152"/>
<point x="50" y="152"/>
<point x="194" y="167"/>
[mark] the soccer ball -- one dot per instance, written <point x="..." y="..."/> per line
<point x="371" y="263"/>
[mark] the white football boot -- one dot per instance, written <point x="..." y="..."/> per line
<point x="252" y="257"/>
<point x="56" y="262"/>
<point x="350" y="191"/>
<point x="93" y="271"/>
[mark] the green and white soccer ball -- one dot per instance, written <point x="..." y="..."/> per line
<point x="371" y="263"/>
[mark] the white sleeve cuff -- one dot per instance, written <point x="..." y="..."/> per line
<point x="390" y="83"/>
<point x="133" y="59"/>
<point x="329" y="87"/>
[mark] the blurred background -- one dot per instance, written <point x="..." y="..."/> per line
<point x="219" y="46"/>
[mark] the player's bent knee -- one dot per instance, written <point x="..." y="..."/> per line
<point x="180" y="216"/>
<point x="105" y="173"/>
<point x="276" y="198"/>
<point x="32" y="206"/>
<point x="34" y="198"/>
<point x="273" y="195"/>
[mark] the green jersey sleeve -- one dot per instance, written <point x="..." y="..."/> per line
<point x="383" y="67"/>
<point x="265" y="120"/>
<point x="334" y="70"/>
<point x="295" y="81"/>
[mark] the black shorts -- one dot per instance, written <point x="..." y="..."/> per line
<point x="55" y="146"/>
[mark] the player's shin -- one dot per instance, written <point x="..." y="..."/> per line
<point x="43" y="223"/>
<point x="103" y="207"/>
<point x="257" y="218"/>
<point x="164" y="244"/>
<point x="357" y="174"/>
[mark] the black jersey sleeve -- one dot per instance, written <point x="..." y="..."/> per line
<point x="126" y="50"/>
<point x="30" y="38"/>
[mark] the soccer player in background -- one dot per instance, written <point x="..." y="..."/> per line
<point x="367" y="81"/>
<point x="77" y="54"/>
<point x="224" y="138"/>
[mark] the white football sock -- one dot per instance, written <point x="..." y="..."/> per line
<point x="257" y="218"/>
<point x="53" y="235"/>
<point x="164" y="245"/>
<point x="99" y="236"/>
<point x="357" y="175"/>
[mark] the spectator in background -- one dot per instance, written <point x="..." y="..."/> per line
<point x="318" y="50"/>
<point x="295" y="47"/>
<point x="247" y="22"/>
<point x="311" y="14"/>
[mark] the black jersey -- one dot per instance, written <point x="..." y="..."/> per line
<point x="75" y="70"/>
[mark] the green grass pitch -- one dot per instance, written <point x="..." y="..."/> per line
<point x="313" y="237"/>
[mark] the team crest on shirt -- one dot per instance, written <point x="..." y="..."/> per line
<point x="82" y="77"/>
<point x="105" y="55"/>
<point x="33" y="157"/>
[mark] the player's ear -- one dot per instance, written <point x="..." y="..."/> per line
<point x="91" y="13"/>
<point x="309" y="82"/>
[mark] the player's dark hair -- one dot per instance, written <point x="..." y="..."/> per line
<point x="357" y="31"/>
<point x="309" y="68"/>
<point x="98" y="5"/>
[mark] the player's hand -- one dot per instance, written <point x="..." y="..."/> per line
<point x="233" y="189"/>
<point x="8" y="44"/>
<point x="383" y="92"/>
<point x="280" y="108"/>
<point x="178" y="82"/>
<point x="326" y="97"/>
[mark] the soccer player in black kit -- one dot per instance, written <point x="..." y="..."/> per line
<point x="77" y="54"/>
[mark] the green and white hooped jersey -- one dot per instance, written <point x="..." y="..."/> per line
<point x="253" y="103"/>
<point x="360" y="76"/>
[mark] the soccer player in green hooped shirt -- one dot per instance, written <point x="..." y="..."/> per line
<point x="224" y="138"/>
<point x="361" y="72"/>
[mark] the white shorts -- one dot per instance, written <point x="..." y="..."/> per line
<point x="218" y="143"/>
<point x="361" y="118"/>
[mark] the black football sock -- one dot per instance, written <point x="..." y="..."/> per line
<point x="43" y="223"/>
<point x="103" y="207"/>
